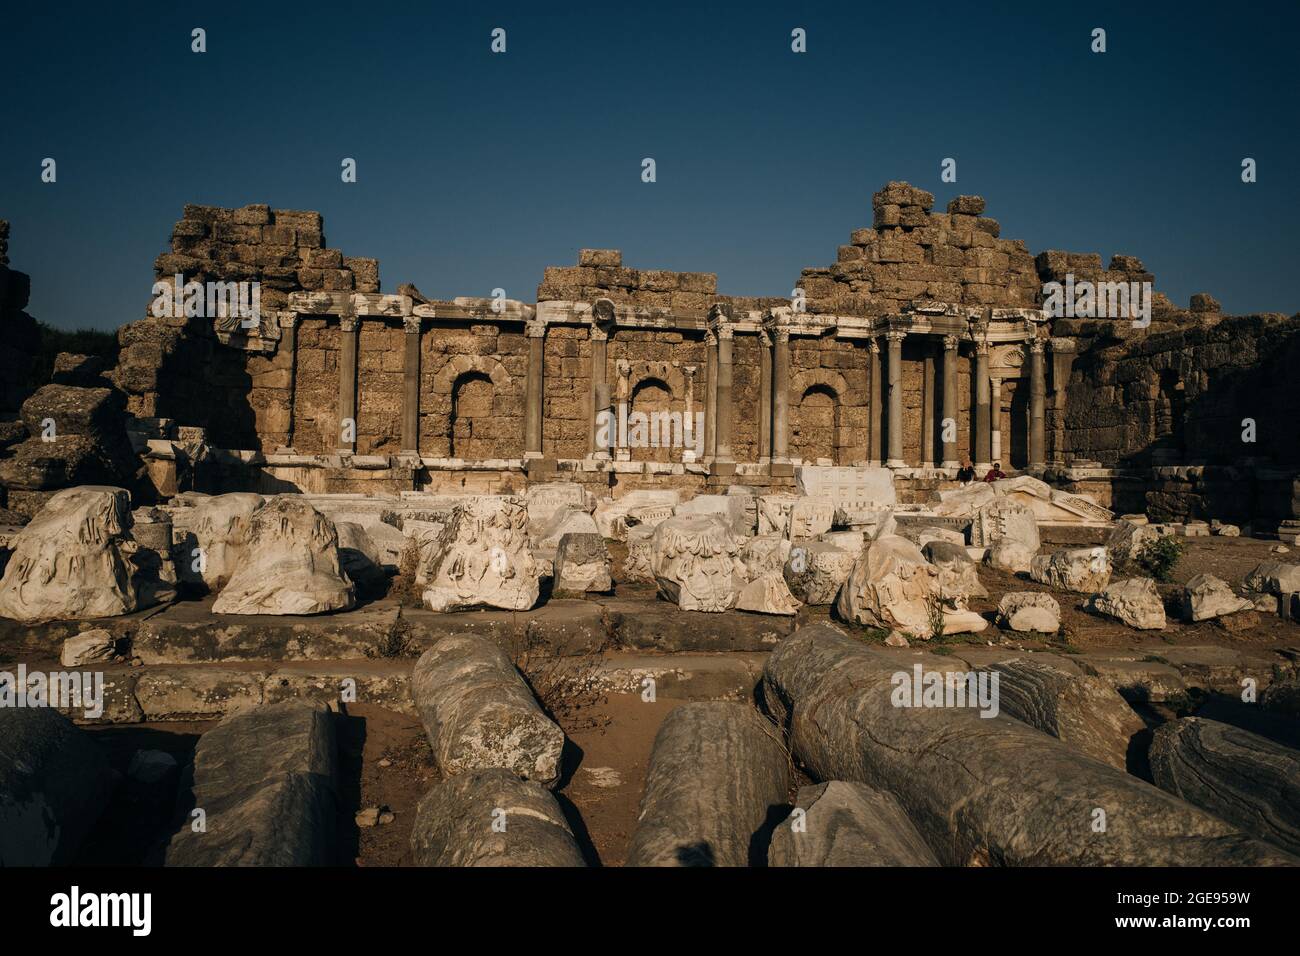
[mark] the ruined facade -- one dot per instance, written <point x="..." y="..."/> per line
<point x="925" y="318"/>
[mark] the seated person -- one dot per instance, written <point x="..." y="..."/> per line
<point x="966" y="473"/>
<point x="995" y="472"/>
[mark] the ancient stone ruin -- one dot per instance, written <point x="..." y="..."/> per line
<point x="637" y="573"/>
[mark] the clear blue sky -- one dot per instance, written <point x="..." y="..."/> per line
<point x="477" y="170"/>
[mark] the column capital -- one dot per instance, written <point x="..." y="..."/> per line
<point x="874" y="345"/>
<point x="764" y="339"/>
<point x="598" y="334"/>
<point x="348" y="323"/>
<point x="725" y="332"/>
<point x="981" y="347"/>
<point x="287" y="320"/>
<point x="950" y="343"/>
<point x="411" y="323"/>
<point x="895" y="335"/>
<point x="689" y="370"/>
<point x="535" y="329"/>
<point x="1036" y="346"/>
<point x="710" y="337"/>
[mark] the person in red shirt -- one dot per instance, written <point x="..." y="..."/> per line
<point x="995" y="472"/>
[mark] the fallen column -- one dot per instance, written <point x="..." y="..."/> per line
<point x="717" y="773"/>
<point x="478" y="712"/>
<point x="847" y="824"/>
<point x="1242" y="777"/>
<point x="264" y="782"/>
<point x="1085" y="712"/>
<point x="980" y="790"/>
<point x="55" y="783"/>
<point x="490" y="817"/>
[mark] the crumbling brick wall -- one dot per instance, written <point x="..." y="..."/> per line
<point x="174" y="367"/>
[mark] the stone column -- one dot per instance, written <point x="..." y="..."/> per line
<point x="995" y="416"/>
<point x="764" y="398"/>
<point x="349" y="329"/>
<point x="781" y="397"/>
<point x="689" y="433"/>
<point x="895" y="339"/>
<point x="722" y="445"/>
<point x="875" y="451"/>
<point x="599" y="387"/>
<point x="927" y="408"/>
<point x="534" y="389"/>
<point x="289" y="342"/>
<point x="949" y="424"/>
<point x="1037" y="407"/>
<point x="620" y="408"/>
<point x="711" y="395"/>
<point x="1062" y="361"/>
<point x="411" y="386"/>
<point x="980" y="385"/>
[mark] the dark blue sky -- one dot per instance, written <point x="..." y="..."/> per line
<point x="476" y="170"/>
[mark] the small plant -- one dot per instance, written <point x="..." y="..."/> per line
<point x="934" y="616"/>
<point x="1158" y="558"/>
<point x="397" y="642"/>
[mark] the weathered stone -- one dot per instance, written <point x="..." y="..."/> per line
<point x="482" y="558"/>
<point x="696" y="563"/>
<point x="767" y="594"/>
<point x="478" y="712"/>
<point x="582" y="564"/>
<point x="638" y="566"/>
<point x="953" y="770"/>
<point x="359" y="558"/>
<point x="490" y="817"/>
<point x="89" y="647"/>
<point x="959" y="578"/>
<point x="291" y="565"/>
<point x="1129" y="538"/>
<point x="73" y="559"/>
<point x="212" y="537"/>
<point x="563" y="521"/>
<point x="764" y="554"/>
<point x="1085" y="570"/>
<point x="1273" y="577"/>
<point x="892" y="586"/>
<point x="1134" y="602"/>
<point x="716" y="771"/>
<point x="1029" y="611"/>
<point x="1238" y="776"/>
<point x="1206" y="597"/>
<point x="737" y="511"/>
<point x="847" y="824"/>
<point x="815" y="570"/>
<point x="55" y="783"/>
<point x="266" y="783"/>
<point x="1085" y="712"/>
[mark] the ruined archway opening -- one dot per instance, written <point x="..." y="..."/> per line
<point x="469" y="426"/>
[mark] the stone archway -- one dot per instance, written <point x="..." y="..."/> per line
<point x="818" y="417"/>
<point x="476" y="415"/>
<point x="653" y="398"/>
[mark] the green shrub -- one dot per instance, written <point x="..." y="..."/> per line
<point x="1157" y="558"/>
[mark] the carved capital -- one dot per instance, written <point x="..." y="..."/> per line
<point x="348" y="323"/>
<point x="725" y="331"/>
<point x="1036" y="346"/>
<point x="950" y="342"/>
<point x="981" y="347"/>
<point x="287" y="320"/>
<point x="535" y="330"/>
<point x="599" y="334"/>
<point x="895" y="335"/>
<point x="411" y="323"/>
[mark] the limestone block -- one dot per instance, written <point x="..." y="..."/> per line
<point x="482" y="558"/>
<point x="768" y="594"/>
<point x="959" y="579"/>
<point x="696" y="563"/>
<point x="1006" y="518"/>
<point x="1029" y="611"/>
<point x="546" y="536"/>
<point x="582" y="564"/>
<point x="965" y="501"/>
<point x="737" y="510"/>
<point x="638" y="566"/>
<point x="89" y="647"/>
<point x="1135" y="602"/>
<point x="358" y="555"/>
<point x="1273" y="577"/>
<point x="73" y="559"/>
<point x="545" y="499"/>
<point x="1206" y="597"/>
<point x="291" y="566"/>
<point x="1128" y="539"/>
<point x="212" y="537"/>
<point x="1085" y="570"/>
<point x="815" y="570"/>
<point x="892" y="586"/>
<point x="764" y="554"/>
<point x="872" y="484"/>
